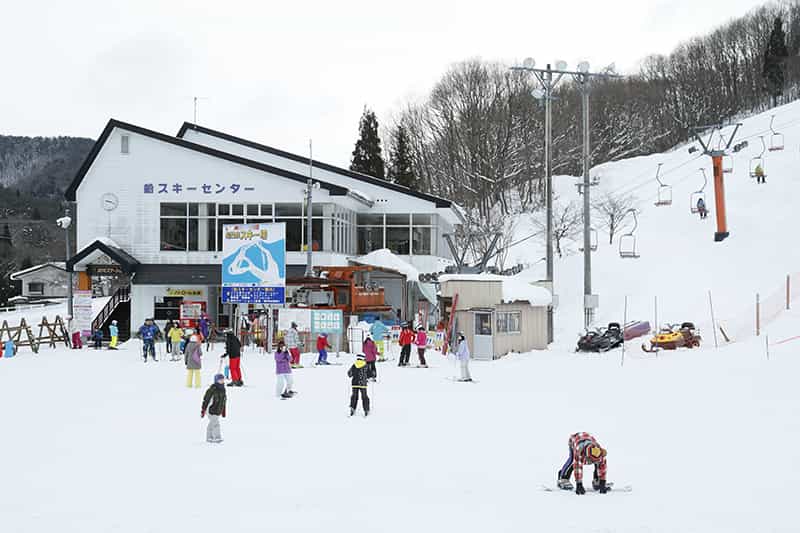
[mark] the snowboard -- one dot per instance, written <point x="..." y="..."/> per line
<point x="590" y="490"/>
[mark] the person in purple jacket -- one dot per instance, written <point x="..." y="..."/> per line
<point x="370" y="350"/>
<point x="283" y="369"/>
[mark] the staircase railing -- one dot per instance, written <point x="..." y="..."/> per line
<point x="122" y="295"/>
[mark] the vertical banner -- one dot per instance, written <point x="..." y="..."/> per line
<point x="254" y="263"/>
<point x="82" y="310"/>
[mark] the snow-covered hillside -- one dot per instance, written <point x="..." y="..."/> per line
<point x="680" y="262"/>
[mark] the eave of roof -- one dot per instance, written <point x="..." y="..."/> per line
<point x="334" y="190"/>
<point x="123" y="258"/>
<point x="440" y="202"/>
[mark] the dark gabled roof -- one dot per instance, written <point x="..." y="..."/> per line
<point x="440" y="202"/>
<point x="126" y="261"/>
<point x="334" y="190"/>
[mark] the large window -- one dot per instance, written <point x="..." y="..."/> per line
<point x="509" y="322"/>
<point x="403" y="234"/>
<point x="36" y="288"/>
<point x="197" y="227"/>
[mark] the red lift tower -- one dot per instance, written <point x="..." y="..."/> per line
<point x="719" y="185"/>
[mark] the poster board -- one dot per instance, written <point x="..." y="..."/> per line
<point x="82" y="309"/>
<point x="254" y="263"/>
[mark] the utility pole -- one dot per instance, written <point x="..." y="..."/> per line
<point x="309" y="211"/>
<point x="548" y="83"/>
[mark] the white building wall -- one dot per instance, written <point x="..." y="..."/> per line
<point x="134" y="224"/>
<point x="386" y="200"/>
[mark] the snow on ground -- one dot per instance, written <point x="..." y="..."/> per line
<point x="680" y="262"/>
<point x="98" y="441"/>
<point x="34" y="314"/>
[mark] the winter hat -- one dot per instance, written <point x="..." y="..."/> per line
<point x="294" y="324"/>
<point x="421" y="328"/>
<point x="114" y="322"/>
<point x="218" y="377"/>
<point x="595" y="453"/>
<point x="361" y="357"/>
<point x="323" y="334"/>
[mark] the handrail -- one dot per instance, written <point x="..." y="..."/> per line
<point x="121" y="295"/>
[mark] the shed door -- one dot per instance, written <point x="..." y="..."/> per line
<point x="483" y="344"/>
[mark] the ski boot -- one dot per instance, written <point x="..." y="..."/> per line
<point x="564" y="484"/>
<point x="352" y="411"/>
<point x="285" y="396"/>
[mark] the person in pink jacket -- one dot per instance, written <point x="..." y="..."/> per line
<point x="422" y="343"/>
<point x="370" y="350"/>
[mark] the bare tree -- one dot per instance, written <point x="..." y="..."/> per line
<point x="567" y="223"/>
<point x="613" y="209"/>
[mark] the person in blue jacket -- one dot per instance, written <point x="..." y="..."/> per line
<point x="379" y="330"/>
<point x="148" y="333"/>
<point x="97" y="337"/>
<point x="113" y="331"/>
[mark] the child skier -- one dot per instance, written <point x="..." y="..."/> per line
<point x="462" y="354"/>
<point x="193" y="357"/>
<point x="406" y="340"/>
<point x="113" y="331"/>
<point x="359" y="374"/>
<point x="378" y="330"/>
<point x="233" y="351"/>
<point x="370" y="356"/>
<point x="322" y="348"/>
<point x="175" y="337"/>
<point x="283" y="371"/>
<point x="584" y="449"/>
<point x="422" y="344"/>
<point x="97" y="337"/>
<point x="216" y="397"/>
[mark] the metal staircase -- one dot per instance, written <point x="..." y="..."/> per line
<point x="119" y="301"/>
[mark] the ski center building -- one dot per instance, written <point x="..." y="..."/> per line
<point x="150" y="210"/>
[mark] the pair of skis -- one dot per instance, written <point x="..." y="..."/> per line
<point x="609" y="486"/>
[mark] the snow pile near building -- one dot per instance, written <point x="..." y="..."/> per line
<point x="384" y="258"/>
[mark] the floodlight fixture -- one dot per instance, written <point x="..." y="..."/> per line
<point x="529" y="62"/>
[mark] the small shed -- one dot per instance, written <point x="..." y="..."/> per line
<point x="498" y="314"/>
<point x="48" y="280"/>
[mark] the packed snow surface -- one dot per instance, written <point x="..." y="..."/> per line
<point x="384" y="258"/>
<point x="99" y="441"/>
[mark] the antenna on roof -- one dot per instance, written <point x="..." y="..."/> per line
<point x="196" y="98"/>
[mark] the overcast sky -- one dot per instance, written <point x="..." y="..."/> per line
<point x="283" y="73"/>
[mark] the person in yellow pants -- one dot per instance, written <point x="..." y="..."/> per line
<point x="192" y="355"/>
<point x="113" y="330"/>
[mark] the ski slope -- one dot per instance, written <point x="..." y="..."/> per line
<point x="680" y="262"/>
<point x="99" y="441"/>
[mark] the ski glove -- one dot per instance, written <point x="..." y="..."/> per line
<point x="579" y="488"/>
<point x="602" y="486"/>
<point x="202" y="413"/>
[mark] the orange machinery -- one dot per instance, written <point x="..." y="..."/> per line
<point x="344" y="288"/>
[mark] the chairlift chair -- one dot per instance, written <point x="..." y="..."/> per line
<point x="727" y="164"/>
<point x="627" y="241"/>
<point x="697" y="195"/>
<point x="592" y="240"/>
<point x="776" y="140"/>
<point x="664" y="190"/>
<point x="758" y="161"/>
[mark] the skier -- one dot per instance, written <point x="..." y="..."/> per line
<point x="584" y="449"/>
<point x="193" y="357"/>
<point x="148" y="333"/>
<point x="233" y="351"/>
<point x="174" y="338"/>
<point x="359" y="374"/>
<point x="370" y="355"/>
<point x="322" y="348"/>
<point x="283" y="371"/>
<point x="113" y="332"/>
<point x="422" y="345"/>
<point x="406" y="339"/>
<point x="97" y="337"/>
<point x="77" y="344"/>
<point x="701" y="208"/>
<point x="167" y="337"/>
<point x="292" y="340"/>
<point x="462" y="354"/>
<point x="378" y="330"/>
<point x="204" y="326"/>
<point x="216" y="397"/>
<point x="760" y="176"/>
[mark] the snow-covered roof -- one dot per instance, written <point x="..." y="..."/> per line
<point x="55" y="264"/>
<point x="384" y="258"/>
<point x="361" y="197"/>
<point x="515" y="288"/>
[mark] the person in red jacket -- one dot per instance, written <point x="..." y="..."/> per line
<point x="322" y="348"/>
<point x="584" y="449"/>
<point x="422" y="344"/>
<point x="406" y="340"/>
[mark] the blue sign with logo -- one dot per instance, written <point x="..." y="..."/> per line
<point x="254" y="295"/>
<point x="254" y="263"/>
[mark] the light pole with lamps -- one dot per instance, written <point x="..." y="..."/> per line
<point x="64" y="223"/>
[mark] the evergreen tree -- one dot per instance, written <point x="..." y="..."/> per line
<point x="367" y="156"/>
<point x="774" y="58"/>
<point x="401" y="169"/>
<point x="27" y="262"/>
<point x="6" y="234"/>
<point x="36" y="214"/>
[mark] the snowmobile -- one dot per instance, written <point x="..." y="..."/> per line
<point x="673" y="336"/>
<point x="601" y="339"/>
